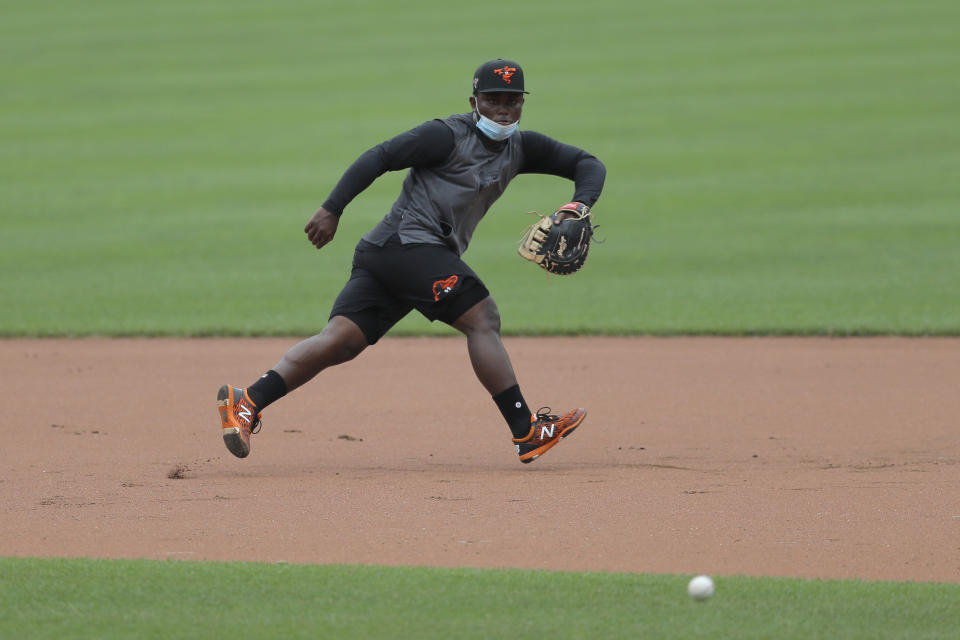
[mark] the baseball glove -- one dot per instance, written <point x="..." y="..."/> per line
<point x="559" y="247"/>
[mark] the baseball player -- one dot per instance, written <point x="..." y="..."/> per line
<point x="458" y="167"/>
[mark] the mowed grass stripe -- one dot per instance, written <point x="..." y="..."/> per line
<point x="75" y="598"/>
<point x="773" y="168"/>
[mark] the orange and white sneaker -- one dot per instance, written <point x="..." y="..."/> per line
<point x="238" y="417"/>
<point x="547" y="430"/>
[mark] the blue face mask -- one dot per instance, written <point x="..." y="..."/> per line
<point x="495" y="131"/>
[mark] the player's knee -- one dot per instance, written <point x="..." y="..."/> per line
<point x="348" y="350"/>
<point x="492" y="317"/>
<point x="343" y="339"/>
<point x="483" y="317"/>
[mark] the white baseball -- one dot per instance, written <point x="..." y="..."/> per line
<point x="700" y="588"/>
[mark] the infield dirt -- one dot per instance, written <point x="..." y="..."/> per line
<point x="809" y="457"/>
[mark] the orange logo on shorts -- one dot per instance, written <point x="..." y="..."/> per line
<point x="506" y="73"/>
<point x="443" y="287"/>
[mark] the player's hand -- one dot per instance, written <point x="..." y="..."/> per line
<point x="321" y="228"/>
<point x="562" y="215"/>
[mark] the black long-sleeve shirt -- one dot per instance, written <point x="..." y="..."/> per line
<point x="432" y="142"/>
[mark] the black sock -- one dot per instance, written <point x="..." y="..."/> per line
<point x="515" y="411"/>
<point x="267" y="390"/>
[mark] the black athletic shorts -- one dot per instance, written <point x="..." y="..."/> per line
<point x="387" y="282"/>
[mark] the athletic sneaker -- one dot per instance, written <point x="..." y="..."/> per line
<point x="547" y="430"/>
<point x="238" y="417"/>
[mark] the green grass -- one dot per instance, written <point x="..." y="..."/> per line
<point x="52" y="598"/>
<point x="773" y="167"/>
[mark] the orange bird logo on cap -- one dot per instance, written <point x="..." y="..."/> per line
<point x="506" y="73"/>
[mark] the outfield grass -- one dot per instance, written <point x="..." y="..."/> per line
<point x="162" y="599"/>
<point x="773" y="167"/>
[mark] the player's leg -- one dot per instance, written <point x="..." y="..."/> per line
<point x="361" y="314"/>
<point x="533" y="434"/>
<point x="340" y="341"/>
<point x="491" y="364"/>
<point x="240" y="409"/>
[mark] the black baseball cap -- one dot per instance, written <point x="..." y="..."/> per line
<point x="499" y="75"/>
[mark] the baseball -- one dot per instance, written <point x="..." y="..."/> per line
<point x="700" y="588"/>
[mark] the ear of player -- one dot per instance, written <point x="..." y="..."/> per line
<point x="560" y="242"/>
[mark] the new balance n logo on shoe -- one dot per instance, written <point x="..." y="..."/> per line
<point x="243" y="412"/>
<point x="547" y="432"/>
